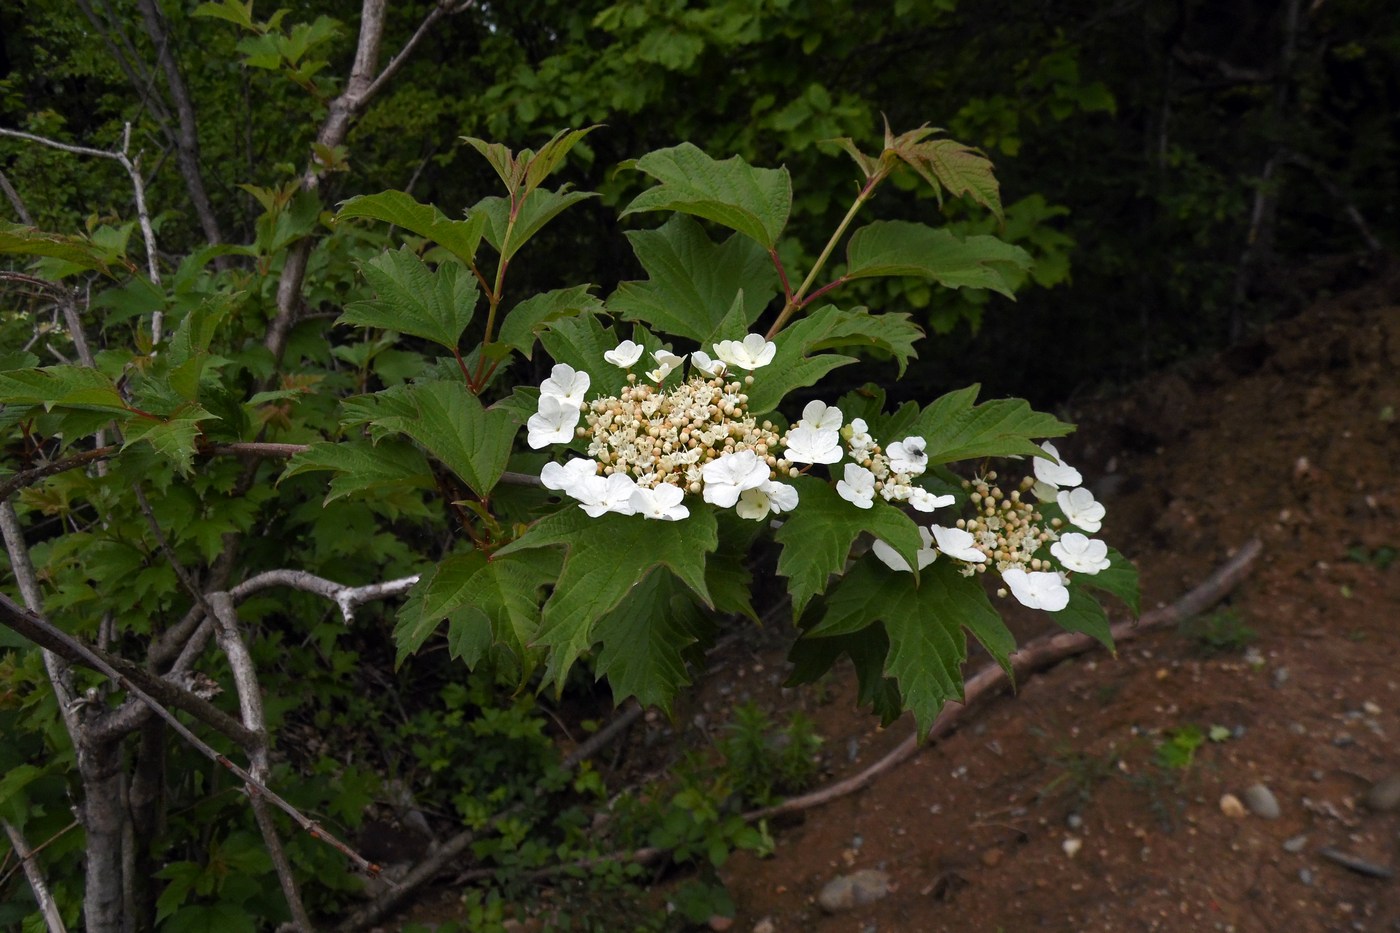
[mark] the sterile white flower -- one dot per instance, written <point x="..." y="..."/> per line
<point x="1055" y="474"/>
<point x="858" y="486"/>
<point x="563" y="478"/>
<point x="809" y="445"/>
<point x="600" y="494"/>
<point x="1044" y="492"/>
<point x="730" y="474"/>
<point x="908" y="456"/>
<point x="891" y="559"/>
<point x="566" y="384"/>
<point x="700" y="360"/>
<point x="554" y="423"/>
<point x="625" y="354"/>
<point x="1080" y="553"/>
<point x="750" y="353"/>
<point x="925" y="501"/>
<point x="772" y="497"/>
<point x="958" y="544"/>
<point x="663" y="502"/>
<point x="1037" y="590"/>
<point x="666" y="362"/>
<point x="1081" y="508"/>
<point x="821" y="416"/>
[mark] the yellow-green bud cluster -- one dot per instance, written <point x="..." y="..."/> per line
<point x="1008" y="529"/>
<point x="656" y="436"/>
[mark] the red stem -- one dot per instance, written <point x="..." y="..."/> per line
<point x="823" y="290"/>
<point x="782" y="274"/>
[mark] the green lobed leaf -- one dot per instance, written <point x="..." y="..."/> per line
<point x="523" y="323"/>
<point x="53" y="387"/>
<point x="173" y="438"/>
<point x="435" y="304"/>
<point x="362" y="468"/>
<point x="539" y="208"/>
<point x="799" y="361"/>
<point x="606" y="557"/>
<point x="642" y="642"/>
<point x="1084" y="614"/>
<point x="949" y="165"/>
<point x="580" y="342"/>
<point x="505" y="590"/>
<point x="813" y="657"/>
<point x="471" y="441"/>
<point x="551" y="154"/>
<point x="956" y="429"/>
<point x="1120" y="579"/>
<point x="692" y="281"/>
<point x="459" y="237"/>
<point x="897" y="247"/>
<point x="754" y="201"/>
<point x="924" y="621"/>
<point x="75" y="253"/>
<point x="817" y="537"/>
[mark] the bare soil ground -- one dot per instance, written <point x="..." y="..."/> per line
<point x="1292" y="437"/>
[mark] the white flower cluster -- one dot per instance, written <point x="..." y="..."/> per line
<point x="1005" y="532"/>
<point x="649" y="446"/>
<point x="887" y="473"/>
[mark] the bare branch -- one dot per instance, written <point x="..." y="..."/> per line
<point x="21" y="211"/>
<point x="439" y="11"/>
<point x="346" y="597"/>
<point x="187" y="140"/>
<point x="359" y="90"/>
<point x="52" y="919"/>
<point x="138" y="185"/>
<point x="245" y="678"/>
<point x="43" y="633"/>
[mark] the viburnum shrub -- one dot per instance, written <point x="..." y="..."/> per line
<point x="685" y="418"/>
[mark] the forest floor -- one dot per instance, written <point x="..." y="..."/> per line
<point x="1091" y="797"/>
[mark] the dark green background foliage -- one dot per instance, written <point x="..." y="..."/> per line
<point x="1130" y="138"/>
<point x="1139" y="146"/>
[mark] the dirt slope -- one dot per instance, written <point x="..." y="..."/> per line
<point x="1294" y="437"/>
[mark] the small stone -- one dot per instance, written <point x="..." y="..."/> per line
<point x="1230" y="806"/>
<point x="1280" y="676"/>
<point x="1343" y="740"/>
<point x="720" y="923"/>
<point x="1074" y="821"/>
<point x="1295" y="845"/>
<point x="1384" y="795"/>
<point x="853" y="890"/>
<point x="764" y="926"/>
<point x="1072" y="845"/>
<point x="1262" y="802"/>
<point x="1371" y="709"/>
<point x="992" y="857"/>
<point x="1305" y="876"/>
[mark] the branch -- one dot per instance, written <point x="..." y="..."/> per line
<point x="187" y="140"/>
<point x="1036" y="655"/>
<point x="362" y="86"/>
<point x="16" y="201"/>
<point x="346" y="597"/>
<point x="138" y="185"/>
<point x="39" y="630"/>
<point x="52" y="919"/>
<point x="245" y="679"/>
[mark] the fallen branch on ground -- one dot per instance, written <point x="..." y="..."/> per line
<point x="1036" y="655"/>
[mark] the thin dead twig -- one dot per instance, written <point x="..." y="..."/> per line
<point x="47" y="906"/>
